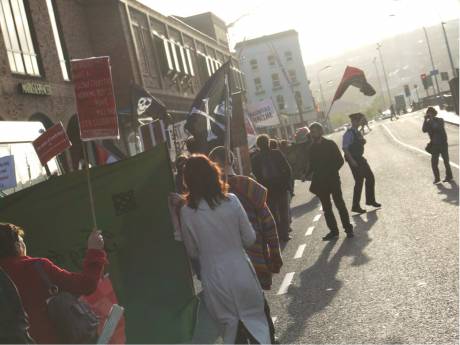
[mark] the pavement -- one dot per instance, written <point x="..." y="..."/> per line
<point x="396" y="281"/>
<point x="448" y="116"/>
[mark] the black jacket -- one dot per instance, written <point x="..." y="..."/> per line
<point x="325" y="163"/>
<point x="436" y="131"/>
<point x="274" y="164"/>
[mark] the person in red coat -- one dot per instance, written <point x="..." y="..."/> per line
<point x="33" y="291"/>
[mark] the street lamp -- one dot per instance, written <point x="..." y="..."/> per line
<point x="385" y="74"/>
<point x="432" y="62"/>
<point x="374" y="60"/>
<point x="320" y="87"/>
<point x="454" y="71"/>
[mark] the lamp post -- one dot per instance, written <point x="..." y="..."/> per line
<point x="454" y="71"/>
<point x="320" y="87"/>
<point x="431" y="58"/>
<point x="385" y="74"/>
<point x="374" y="60"/>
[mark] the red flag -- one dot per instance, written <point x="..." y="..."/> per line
<point x="355" y="77"/>
<point x="101" y="302"/>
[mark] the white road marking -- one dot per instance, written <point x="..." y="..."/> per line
<point x="413" y="147"/>
<point x="274" y="318"/>
<point x="299" y="252"/>
<point x="310" y="231"/>
<point x="286" y="282"/>
<point x="317" y="217"/>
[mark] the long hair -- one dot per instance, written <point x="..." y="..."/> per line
<point x="204" y="181"/>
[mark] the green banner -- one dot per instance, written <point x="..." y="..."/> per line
<point x="148" y="269"/>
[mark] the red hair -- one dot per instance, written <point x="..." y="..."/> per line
<point x="204" y="181"/>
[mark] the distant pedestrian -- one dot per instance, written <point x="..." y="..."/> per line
<point x="325" y="163"/>
<point x="353" y="146"/>
<point x="216" y="229"/>
<point x="393" y="113"/>
<point x="434" y="126"/>
<point x="265" y="253"/>
<point x="34" y="291"/>
<point x="273" y="171"/>
<point x="274" y="144"/>
<point x="364" y="123"/>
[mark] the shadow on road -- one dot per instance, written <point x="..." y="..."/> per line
<point x="451" y="194"/>
<point x="302" y="209"/>
<point x="318" y="283"/>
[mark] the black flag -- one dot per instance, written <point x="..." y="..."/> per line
<point x="206" y="118"/>
<point x="145" y="105"/>
<point x="353" y="77"/>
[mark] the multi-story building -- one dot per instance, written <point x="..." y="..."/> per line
<point x="169" y="56"/>
<point x="273" y="69"/>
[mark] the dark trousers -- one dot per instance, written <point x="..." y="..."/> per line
<point x="278" y="204"/>
<point x="360" y="173"/>
<point x="444" y="152"/>
<point x="329" y="213"/>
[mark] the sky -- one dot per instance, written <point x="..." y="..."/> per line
<point x="326" y="27"/>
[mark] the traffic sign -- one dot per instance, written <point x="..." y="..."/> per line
<point x="434" y="72"/>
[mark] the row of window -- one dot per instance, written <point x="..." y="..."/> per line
<point x="20" y="46"/>
<point x="282" y="104"/>
<point x="276" y="83"/>
<point x="272" y="60"/>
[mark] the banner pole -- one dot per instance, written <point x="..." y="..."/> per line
<point x="90" y="187"/>
<point x="227" y="128"/>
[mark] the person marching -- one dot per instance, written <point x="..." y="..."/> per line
<point x="353" y="146"/>
<point x="325" y="163"/>
<point x="434" y="126"/>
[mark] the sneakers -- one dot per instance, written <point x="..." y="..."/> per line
<point x="358" y="209"/>
<point x="448" y="179"/>
<point x="285" y="238"/>
<point x="331" y="236"/>
<point x="375" y="204"/>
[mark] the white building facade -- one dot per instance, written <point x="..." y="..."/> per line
<point x="273" y="69"/>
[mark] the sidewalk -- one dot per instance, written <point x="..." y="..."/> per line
<point x="449" y="117"/>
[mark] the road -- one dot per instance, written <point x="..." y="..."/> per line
<point x="396" y="281"/>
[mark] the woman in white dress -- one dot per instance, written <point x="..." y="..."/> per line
<point x="216" y="229"/>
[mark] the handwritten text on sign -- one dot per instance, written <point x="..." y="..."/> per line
<point x="263" y="114"/>
<point x="51" y="143"/>
<point x="7" y="173"/>
<point x="96" y="109"/>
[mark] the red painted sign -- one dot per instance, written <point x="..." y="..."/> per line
<point x="96" y="108"/>
<point x="51" y="143"/>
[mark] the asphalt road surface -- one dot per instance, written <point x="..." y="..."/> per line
<point x="396" y="281"/>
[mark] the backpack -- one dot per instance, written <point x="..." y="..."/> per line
<point x="74" y="320"/>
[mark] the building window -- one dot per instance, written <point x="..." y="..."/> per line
<point x="253" y="64"/>
<point x="258" y="84"/>
<point x="57" y="40"/>
<point x="288" y="56"/>
<point x="276" y="80"/>
<point x="280" y="102"/>
<point x="271" y="60"/>
<point x="298" y="99"/>
<point x="175" y="56"/>
<point x="190" y="62"/>
<point x="292" y="76"/>
<point x="18" y="39"/>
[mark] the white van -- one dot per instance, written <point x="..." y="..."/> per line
<point x="16" y="139"/>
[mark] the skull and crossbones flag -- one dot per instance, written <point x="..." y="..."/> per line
<point x="206" y="119"/>
<point x="145" y="105"/>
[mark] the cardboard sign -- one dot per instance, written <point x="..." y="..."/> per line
<point x="51" y="143"/>
<point x="7" y="173"/>
<point x="263" y="114"/>
<point x="96" y="108"/>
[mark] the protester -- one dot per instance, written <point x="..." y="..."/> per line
<point x="14" y="322"/>
<point x="353" y="146"/>
<point x="274" y="144"/>
<point x="215" y="228"/>
<point x="393" y="113"/>
<point x="434" y="126"/>
<point x="273" y="171"/>
<point x="325" y="163"/>
<point x="284" y="148"/>
<point x="33" y="290"/>
<point x="265" y="253"/>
